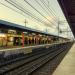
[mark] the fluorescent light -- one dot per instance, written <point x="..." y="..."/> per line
<point x="2" y="35"/>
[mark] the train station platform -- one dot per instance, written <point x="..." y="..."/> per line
<point x="67" y="66"/>
<point x="15" y="47"/>
<point x="26" y="49"/>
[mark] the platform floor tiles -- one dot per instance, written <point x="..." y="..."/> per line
<point x="67" y="66"/>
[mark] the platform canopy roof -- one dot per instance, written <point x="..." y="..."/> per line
<point x="9" y="25"/>
<point x="68" y="7"/>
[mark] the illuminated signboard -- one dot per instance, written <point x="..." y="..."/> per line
<point x="12" y="31"/>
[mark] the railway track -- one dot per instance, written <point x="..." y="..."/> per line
<point x="27" y="64"/>
<point x="23" y="57"/>
<point x="51" y="65"/>
<point x="36" y="64"/>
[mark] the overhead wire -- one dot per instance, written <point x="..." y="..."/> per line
<point x="11" y="8"/>
<point x="20" y="8"/>
<point x="33" y="15"/>
<point x="45" y="11"/>
<point x="38" y="11"/>
<point x="49" y="9"/>
<point x="28" y="13"/>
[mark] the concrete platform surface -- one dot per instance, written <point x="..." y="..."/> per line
<point x="67" y="66"/>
